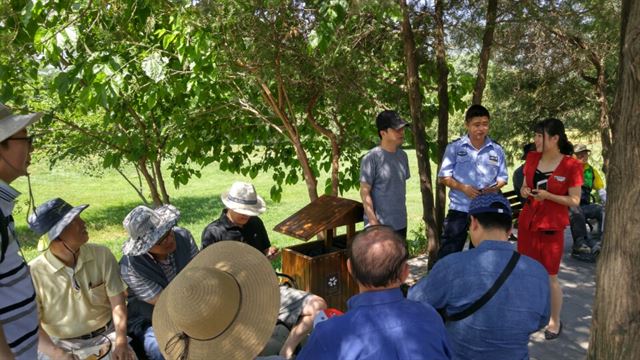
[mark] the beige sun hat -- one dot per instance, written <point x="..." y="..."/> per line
<point x="243" y="198"/>
<point x="222" y="305"/>
<point x="11" y="123"/>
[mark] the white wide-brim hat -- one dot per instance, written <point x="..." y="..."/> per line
<point x="11" y="123"/>
<point x="243" y="199"/>
<point x="222" y="305"/>
<point x="147" y="226"/>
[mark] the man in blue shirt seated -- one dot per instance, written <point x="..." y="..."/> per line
<point x="500" y="328"/>
<point x="380" y="323"/>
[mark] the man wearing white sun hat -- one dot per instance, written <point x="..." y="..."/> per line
<point x="239" y="221"/>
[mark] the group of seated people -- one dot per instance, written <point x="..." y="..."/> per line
<point x="89" y="304"/>
<point x="179" y="303"/>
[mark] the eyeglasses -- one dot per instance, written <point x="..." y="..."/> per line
<point x="28" y="139"/>
<point x="164" y="238"/>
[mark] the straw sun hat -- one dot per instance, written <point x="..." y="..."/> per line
<point x="222" y="305"/>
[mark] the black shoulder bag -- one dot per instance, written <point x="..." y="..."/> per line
<point x="487" y="296"/>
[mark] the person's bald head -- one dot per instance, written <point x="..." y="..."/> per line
<point x="378" y="257"/>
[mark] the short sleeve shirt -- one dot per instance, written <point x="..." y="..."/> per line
<point x="387" y="174"/>
<point x="147" y="289"/>
<point x="501" y="328"/>
<point x="480" y="168"/>
<point x="97" y="274"/>
<point x="252" y="233"/>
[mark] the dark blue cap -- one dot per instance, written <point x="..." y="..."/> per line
<point x="483" y="204"/>
<point x="52" y="217"/>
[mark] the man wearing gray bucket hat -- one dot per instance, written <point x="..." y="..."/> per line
<point x="73" y="277"/>
<point x="156" y="251"/>
<point x="239" y="221"/>
<point x="18" y="313"/>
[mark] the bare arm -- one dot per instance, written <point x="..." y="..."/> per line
<point x="119" y="316"/>
<point x="468" y="190"/>
<point x="5" y="350"/>
<point x="367" y="203"/>
<point x="571" y="200"/>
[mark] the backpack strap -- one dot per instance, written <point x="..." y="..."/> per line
<point x="487" y="296"/>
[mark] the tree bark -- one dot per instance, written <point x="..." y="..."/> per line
<point x="419" y="135"/>
<point x="615" y="327"/>
<point x="485" y="53"/>
<point x="443" y="116"/>
<point x="151" y="182"/>
<point x="292" y="135"/>
<point x="335" y="145"/>
<point x="157" y="164"/>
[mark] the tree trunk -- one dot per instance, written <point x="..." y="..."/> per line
<point x="443" y="116"/>
<point x="419" y="135"/>
<point x="151" y="182"/>
<point x="335" y="146"/>
<point x="157" y="165"/>
<point x="605" y="132"/>
<point x="615" y="328"/>
<point x="292" y="135"/>
<point x="485" y="53"/>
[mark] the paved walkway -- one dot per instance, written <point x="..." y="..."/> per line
<point x="578" y="283"/>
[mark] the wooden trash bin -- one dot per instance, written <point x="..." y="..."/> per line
<point x="320" y="267"/>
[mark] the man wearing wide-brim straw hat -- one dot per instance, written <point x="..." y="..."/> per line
<point x="157" y="250"/>
<point x="239" y="221"/>
<point x="18" y="315"/>
<point x="221" y="306"/>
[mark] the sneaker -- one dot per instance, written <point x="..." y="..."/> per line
<point x="582" y="249"/>
<point x="589" y="258"/>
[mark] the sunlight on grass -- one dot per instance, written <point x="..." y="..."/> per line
<point x="111" y="198"/>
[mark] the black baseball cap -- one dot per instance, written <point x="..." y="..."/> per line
<point x="390" y="119"/>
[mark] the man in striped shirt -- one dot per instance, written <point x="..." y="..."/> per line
<point x="18" y="313"/>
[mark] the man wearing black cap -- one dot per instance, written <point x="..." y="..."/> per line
<point x="384" y="171"/>
<point x="458" y="284"/>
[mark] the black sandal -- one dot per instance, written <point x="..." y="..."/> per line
<point x="551" y="335"/>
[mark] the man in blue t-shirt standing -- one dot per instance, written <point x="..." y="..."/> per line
<point x="472" y="164"/>
<point x="500" y="327"/>
<point x="384" y="171"/>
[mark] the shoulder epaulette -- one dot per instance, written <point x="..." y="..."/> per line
<point x="454" y="140"/>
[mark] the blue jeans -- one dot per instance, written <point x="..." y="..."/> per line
<point x="151" y="347"/>
<point x="454" y="233"/>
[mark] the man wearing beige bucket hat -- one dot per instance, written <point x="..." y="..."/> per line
<point x="18" y="313"/>
<point x="155" y="253"/>
<point x="239" y="221"/>
<point x="233" y="299"/>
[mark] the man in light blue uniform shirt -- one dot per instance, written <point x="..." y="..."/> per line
<point x="472" y="165"/>
<point x="500" y="328"/>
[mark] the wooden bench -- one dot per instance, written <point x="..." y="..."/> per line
<point x="516" y="207"/>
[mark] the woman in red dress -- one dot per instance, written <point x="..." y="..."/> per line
<point x="552" y="185"/>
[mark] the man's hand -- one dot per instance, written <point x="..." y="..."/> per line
<point x="122" y="352"/>
<point x="272" y="253"/>
<point x="469" y="190"/>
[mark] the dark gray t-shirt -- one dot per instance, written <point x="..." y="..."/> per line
<point x="387" y="173"/>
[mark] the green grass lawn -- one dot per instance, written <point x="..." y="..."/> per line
<point x="111" y="198"/>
